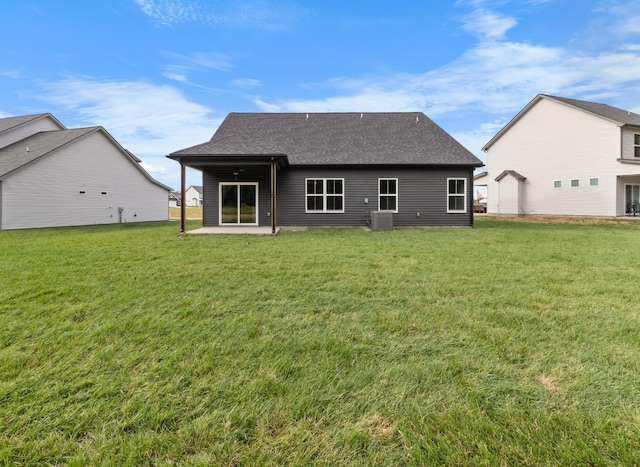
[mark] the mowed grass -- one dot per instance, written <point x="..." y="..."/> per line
<point x="191" y="212"/>
<point x="506" y="344"/>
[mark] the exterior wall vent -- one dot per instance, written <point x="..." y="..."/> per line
<point x="381" y="220"/>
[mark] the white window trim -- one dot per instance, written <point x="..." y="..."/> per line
<point x="597" y="179"/>
<point x="574" y="180"/>
<point x="635" y="146"/>
<point x="394" y="195"/>
<point x="557" y="187"/>
<point x="324" y="196"/>
<point x="449" y="195"/>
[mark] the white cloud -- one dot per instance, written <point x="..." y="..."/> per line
<point x="200" y="60"/>
<point x="487" y="85"/>
<point x="615" y="19"/>
<point x="170" y="11"/>
<point x="369" y="100"/>
<point x="471" y="3"/>
<point x="15" y="74"/>
<point x="266" y="107"/>
<point x="495" y="77"/>
<point x="151" y="168"/>
<point x="246" y="83"/>
<point x="475" y="139"/>
<point x="487" y="25"/>
<point x="225" y="14"/>
<point x="492" y="77"/>
<point x="186" y="64"/>
<point x="631" y="25"/>
<point x="180" y="78"/>
<point x="149" y="120"/>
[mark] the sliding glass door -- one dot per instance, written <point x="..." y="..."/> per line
<point x="238" y="203"/>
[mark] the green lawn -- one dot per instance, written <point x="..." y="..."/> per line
<point x="507" y="344"/>
<point x="191" y="212"/>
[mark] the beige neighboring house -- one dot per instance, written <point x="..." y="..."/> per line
<point x="51" y="176"/>
<point x="562" y="156"/>
<point x="193" y="196"/>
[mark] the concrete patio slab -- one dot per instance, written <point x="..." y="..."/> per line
<point x="233" y="230"/>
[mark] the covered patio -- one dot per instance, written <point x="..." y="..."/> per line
<point x="233" y="219"/>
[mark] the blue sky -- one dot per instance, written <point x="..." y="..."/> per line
<point x="160" y="75"/>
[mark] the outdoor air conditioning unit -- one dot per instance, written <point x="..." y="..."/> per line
<point x="381" y="220"/>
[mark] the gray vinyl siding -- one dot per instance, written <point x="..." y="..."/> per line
<point x="46" y="193"/>
<point x="420" y="190"/>
<point x="211" y="193"/>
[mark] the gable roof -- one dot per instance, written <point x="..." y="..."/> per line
<point x="618" y="116"/>
<point x="355" y="138"/>
<point x="30" y="149"/>
<point x="513" y="173"/>
<point x="10" y="123"/>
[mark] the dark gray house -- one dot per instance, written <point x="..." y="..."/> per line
<point x="332" y="169"/>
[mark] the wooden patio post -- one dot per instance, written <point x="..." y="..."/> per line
<point x="273" y="196"/>
<point x="183" y="228"/>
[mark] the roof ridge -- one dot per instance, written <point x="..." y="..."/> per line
<point x="354" y="112"/>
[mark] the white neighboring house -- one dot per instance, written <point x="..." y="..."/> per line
<point x="51" y="176"/>
<point x="174" y="199"/>
<point x="193" y="196"/>
<point x="562" y="156"/>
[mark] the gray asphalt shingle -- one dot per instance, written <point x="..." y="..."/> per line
<point x="389" y="138"/>
<point x="616" y="114"/>
<point x="12" y="122"/>
<point x="27" y="150"/>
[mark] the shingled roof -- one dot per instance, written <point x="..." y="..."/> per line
<point x="400" y="138"/>
<point x="29" y="149"/>
<point x="614" y="114"/>
<point x="623" y="117"/>
<point x="8" y="123"/>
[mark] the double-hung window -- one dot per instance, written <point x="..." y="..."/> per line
<point x="636" y="145"/>
<point x="456" y="195"/>
<point x="325" y="195"/>
<point x="388" y="194"/>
